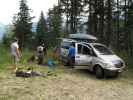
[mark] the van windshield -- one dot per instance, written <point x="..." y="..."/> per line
<point x="103" y="50"/>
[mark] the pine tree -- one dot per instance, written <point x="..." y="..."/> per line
<point x="7" y="38"/>
<point x="109" y="22"/>
<point x="42" y="30"/>
<point x="130" y="27"/>
<point x="96" y="18"/>
<point x="22" y="23"/>
<point x="55" y="24"/>
<point x="72" y="10"/>
<point x="65" y="6"/>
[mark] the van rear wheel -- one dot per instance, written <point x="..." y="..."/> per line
<point x="99" y="72"/>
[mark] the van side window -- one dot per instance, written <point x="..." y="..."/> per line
<point x="83" y="50"/>
<point x="80" y="49"/>
<point x="86" y="50"/>
<point x="65" y="45"/>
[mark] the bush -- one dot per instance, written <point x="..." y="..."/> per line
<point x="5" y="58"/>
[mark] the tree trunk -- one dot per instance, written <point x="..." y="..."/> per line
<point x="101" y="22"/>
<point x="118" y="26"/>
<point x="109" y="23"/>
<point x="90" y="24"/>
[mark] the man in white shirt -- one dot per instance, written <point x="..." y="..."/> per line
<point x="40" y="54"/>
<point x="15" y="53"/>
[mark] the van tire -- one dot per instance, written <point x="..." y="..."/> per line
<point x="99" y="72"/>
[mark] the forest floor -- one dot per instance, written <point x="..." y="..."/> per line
<point x="67" y="84"/>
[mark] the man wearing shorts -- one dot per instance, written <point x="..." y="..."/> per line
<point x="15" y="53"/>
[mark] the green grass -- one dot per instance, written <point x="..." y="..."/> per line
<point x="5" y="58"/>
<point x="128" y="60"/>
<point x="130" y="63"/>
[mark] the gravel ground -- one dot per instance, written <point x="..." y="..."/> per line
<point x="69" y="84"/>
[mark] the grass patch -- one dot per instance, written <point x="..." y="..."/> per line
<point x="5" y="58"/>
<point x="129" y="63"/>
<point x="6" y="61"/>
<point x="127" y="59"/>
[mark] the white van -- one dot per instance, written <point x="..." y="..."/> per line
<point x="93" y="56"/>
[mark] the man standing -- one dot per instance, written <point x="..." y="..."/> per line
<point x="71" y="54"/>
<point x="40" y="54"/>
<point x="15" y="53"/>
<point x="44" y="48"/>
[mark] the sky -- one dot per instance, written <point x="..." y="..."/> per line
<point x="10" y="7"/>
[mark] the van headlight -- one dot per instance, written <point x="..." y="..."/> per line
<point x="107" y="65"/>
<point x="118" y="64"/>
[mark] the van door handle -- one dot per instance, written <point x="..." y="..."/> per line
<point x="77" y="56"/>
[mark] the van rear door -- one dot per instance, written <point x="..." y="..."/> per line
<point x="83" y="56"/>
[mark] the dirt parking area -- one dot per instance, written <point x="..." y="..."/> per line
<point x="69" y="84"/>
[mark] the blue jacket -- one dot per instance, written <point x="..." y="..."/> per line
<point x="71" y="52"/>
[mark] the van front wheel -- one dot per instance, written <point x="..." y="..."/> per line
<point x="99" y="72"/>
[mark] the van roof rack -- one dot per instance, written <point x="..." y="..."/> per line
<point x="82" y="36"/>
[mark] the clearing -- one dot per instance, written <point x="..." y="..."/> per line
<point x="69" y="84"/>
